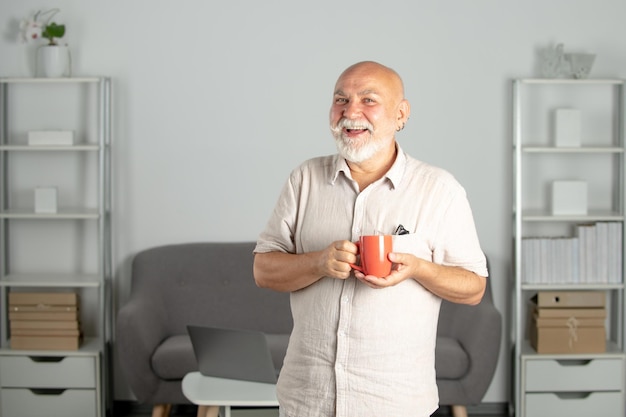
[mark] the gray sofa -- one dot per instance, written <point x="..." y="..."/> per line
<point x="212" y="284"/>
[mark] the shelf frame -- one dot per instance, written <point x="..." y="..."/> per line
<point x="101" y="279"/>
<point x="521" y="346"/>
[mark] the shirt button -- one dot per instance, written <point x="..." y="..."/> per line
<point x="345" y="299"/>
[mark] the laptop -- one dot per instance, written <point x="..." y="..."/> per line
<point x="232" y="353"/>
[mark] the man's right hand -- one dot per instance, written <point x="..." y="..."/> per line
<point x="290" y="272"/>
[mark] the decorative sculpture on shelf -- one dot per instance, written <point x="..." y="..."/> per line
<point x="552" y="62"/>
<point x="555" y="63"/>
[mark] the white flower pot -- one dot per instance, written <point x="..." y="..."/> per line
<point x="53" y="61"/>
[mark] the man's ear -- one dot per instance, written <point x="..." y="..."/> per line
<point x="404" y="111"/>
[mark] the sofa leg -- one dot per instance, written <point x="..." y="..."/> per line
<point x="161" y="410"/>
<point x="459" y="411"/>
<point x="208" y="411"/>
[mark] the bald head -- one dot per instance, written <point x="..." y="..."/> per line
<point x="368" y="109"/>
<point x="387" y="77"/>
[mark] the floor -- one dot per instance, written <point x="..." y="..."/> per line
<point x="498" y="410"/>
<point x="190" y="411"/>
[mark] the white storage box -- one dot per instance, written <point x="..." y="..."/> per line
<point x="50" y="137"/>
<point x="569" y="198"/>
<point x="567" y="128"/>
<point x="45" y="200"/>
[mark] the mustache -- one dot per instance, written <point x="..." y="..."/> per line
<point x="344" y="123"/>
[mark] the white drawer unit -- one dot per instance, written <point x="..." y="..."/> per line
<point x="48" y="372"/>
<point x="569" y="233"/>
<point x="574" y="375"/>
<point x="33" y="386"/>
<point x="606" y="404"/>
<point x="50" y="402"/>
<point x="573" y="387"/>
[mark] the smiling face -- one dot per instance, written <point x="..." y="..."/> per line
<point x="368" y="108"/>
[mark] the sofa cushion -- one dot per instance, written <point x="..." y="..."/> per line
<point x="451" y="360"/>
<point x="278" y="348"/>
<point x="174" y="358"/>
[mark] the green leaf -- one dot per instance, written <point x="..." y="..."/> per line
<point x="53" y="31"/>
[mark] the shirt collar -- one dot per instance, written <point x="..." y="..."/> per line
<point x="394" y="175"/>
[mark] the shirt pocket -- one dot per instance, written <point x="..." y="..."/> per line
<point x="414" y="244"/>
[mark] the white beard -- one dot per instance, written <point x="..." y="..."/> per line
<point x="357" y="150"/>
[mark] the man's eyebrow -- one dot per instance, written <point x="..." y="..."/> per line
<point x="360" y="93"/>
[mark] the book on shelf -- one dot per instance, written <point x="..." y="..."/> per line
<point x="592" y="256"/>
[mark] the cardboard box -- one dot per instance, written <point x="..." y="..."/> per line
<point x="579" y="313"/>
<point x="42" y="308"/>
<point x="44" y="332"/>
<point x="567" y="321"/>
<point x="44" y="315"/>
<point x="569" y="299"/>
<point x="44" y="324"/>
<point x="572" y="338"/>
<point x="46" y="342"/>
<point x="46" y="298"/>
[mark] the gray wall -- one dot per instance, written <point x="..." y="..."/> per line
<point x="215" y="102"/>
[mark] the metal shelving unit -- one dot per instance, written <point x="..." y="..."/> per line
<point x="75" y="382"/>
<point x="567" y="384"/>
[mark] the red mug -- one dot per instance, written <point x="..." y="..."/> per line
<point x="374" y="251"/>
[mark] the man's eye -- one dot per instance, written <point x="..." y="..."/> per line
<point x="341" y="100"/>
<point x="368" y="100"/>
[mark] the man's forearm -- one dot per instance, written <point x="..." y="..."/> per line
<point x="285" y="271"/>
<point x="451" y="283"/>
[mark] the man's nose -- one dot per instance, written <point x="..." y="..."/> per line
<point x="351" y="110"/>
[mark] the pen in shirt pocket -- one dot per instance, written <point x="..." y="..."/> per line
<point x="400" y="230"/>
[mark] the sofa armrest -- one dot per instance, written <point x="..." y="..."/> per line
<point x="139" y="330"/>
<point x="478" y="329"/>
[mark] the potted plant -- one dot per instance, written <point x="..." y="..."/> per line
<point x="53" y="59"/>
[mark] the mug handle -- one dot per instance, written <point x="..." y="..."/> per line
<point x="358" y="267"/>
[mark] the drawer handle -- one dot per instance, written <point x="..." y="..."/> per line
<point x="47" y="391"/>
<point x="574" y="362"/>
<point x="572" y="395"/>
<point x="46" y="359"/>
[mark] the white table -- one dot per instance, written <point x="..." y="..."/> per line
<point x="211" y="393"/>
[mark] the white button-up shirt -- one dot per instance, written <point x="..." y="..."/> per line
<point x="357" y="351"/>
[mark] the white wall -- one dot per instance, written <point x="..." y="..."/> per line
<point x="215" y="102"/>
